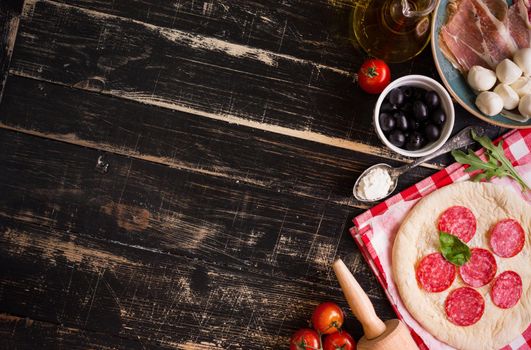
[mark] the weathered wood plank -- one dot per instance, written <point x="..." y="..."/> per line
<point x="25" y="333"/>
<point x="200" y="75"/>
<point x="183" y="141"/>
<point x="162" y="255"/>
<point x="197" y="74"/>
<point x="312" y="30"/>
<point x="138" y="203"/>
<point x="179" y="70"/>
<point x="201" y="234"/>
<point x="152" y="298"/>
<point x="10" y="11"/>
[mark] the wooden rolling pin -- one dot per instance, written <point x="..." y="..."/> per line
<point x="391" y="335"/>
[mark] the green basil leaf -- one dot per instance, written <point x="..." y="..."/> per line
<point x="453" y="249"/>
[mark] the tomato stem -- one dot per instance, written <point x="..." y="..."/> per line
<point x="371" y="72"/>
<point x="303" y="346"/>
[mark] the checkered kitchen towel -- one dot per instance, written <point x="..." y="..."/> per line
<point x="375" y="229"/>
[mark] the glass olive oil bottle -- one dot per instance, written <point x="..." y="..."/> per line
<point x="392" y="30"/>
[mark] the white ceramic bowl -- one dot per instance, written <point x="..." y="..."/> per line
<point x="446" y="104"/>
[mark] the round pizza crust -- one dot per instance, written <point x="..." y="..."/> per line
<point x="418" y="237"/>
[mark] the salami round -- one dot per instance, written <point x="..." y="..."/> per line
<point x="480" y="269"/>
<point x="458" y="221"/>
<point x="506" y="290"/>
<point x="507" y="238"/>
<point x="464" y="306"/>
<point x="434" y="273"/>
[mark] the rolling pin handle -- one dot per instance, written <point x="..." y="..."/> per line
<point x="358" y="301"/>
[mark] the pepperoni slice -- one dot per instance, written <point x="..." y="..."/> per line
<point x="434" y="273"/>
<point x="506" y="290"/>
<point x="464" y="306"/>
<point x="507" y="238"/>
<point x="480" y="269"/>
<point x="458" y="221"/>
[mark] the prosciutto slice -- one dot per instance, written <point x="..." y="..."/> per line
<point x="484" y="32"/>
<point x="518" y="22"/>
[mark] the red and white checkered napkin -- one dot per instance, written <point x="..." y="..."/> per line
<point x="375" y="229"/>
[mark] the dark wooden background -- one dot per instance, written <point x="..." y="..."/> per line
<point x="229" y="133"/>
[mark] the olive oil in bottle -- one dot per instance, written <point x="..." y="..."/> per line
<point x="392" y="30"/>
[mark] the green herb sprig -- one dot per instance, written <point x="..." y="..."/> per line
<point x="453" y="249"/>
<point x="496" y="163"/>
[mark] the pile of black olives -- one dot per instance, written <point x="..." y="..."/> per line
<point x="411" y="117"/>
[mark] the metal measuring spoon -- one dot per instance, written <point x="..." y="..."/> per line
<point x="461" y="139"/>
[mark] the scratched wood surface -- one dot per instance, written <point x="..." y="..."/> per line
<point x="228" y="134"/>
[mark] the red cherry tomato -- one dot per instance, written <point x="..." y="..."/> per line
<point x="305" y="339"/>
<point x="374" y="75"/>
<point x="327" y="318"/>
<point x="339" y="341"/>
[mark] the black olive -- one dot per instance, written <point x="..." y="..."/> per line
<point x="408" y="91"/>
<point x="420" y="111"/>
<point x="415" y="141"/>
<point x="432" y="99"/>
<point x="438" y="117"/>
<point x="397" y="138"/>
<point x="432" y="132"/>
<point x="418" y="93"/>
<point x="387" y="122"/>
<point x="407" y="108"/>
<point x="413" y="124"/>
<point x="396" y="97"/>
<point x="401" y="121"/>
<point x="386" y="106"/>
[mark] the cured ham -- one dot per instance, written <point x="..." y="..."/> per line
<point x="518" y="22"/>
<point x="484" y="32"/>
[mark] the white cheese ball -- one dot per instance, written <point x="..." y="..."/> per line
<point x="489" y="103"/>
<point x="507" y="71"/>
<point x="509" y="97"/>
<point x="522" y="86"/>
<point x="522" y="58"/>
<point x="480" y="78"/>
<point x="524" y="107"/>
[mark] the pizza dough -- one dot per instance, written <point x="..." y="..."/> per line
<point x="418" y="237"/>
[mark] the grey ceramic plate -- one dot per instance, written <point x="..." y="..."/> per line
<point x="455" y="82"/>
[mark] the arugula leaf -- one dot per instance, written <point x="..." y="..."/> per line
<point x="498" y="153"/>
<point x="453" y="249"/>
<point x="496" y="164"/>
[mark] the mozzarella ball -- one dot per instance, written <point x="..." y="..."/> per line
<point x="522" y="86"/>
<point x="489" y="103"/>
<point x="509" y="97"/>
<point x="507" y="71"/>
<point x="524" y="107"/>
<point x="480" y="78"/>
<point x="522" y="58"/>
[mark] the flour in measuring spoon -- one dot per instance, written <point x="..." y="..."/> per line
<point x="375" y="184"/>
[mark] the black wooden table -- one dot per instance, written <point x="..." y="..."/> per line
<point x="178" y="174"/>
